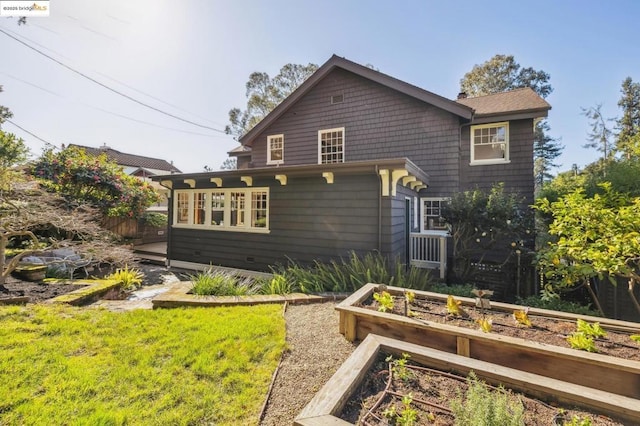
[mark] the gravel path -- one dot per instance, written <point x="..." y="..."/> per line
<point x="315" y="351"/>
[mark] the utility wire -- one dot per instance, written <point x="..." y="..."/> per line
<point x="107" y="87"/>
<point x="26" y="131"/>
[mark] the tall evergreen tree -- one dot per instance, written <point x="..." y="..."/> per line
<point x="600" y="135"/>
<point x="502" y="73"/>
<point x="628" y="126"/>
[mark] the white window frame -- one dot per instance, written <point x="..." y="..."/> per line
<point x="320" y="133"/>
<point x="247" y="213"/>
<point x="504" y="160"/>
<point x="269" y="139"/>
<point x="423" y="229"/>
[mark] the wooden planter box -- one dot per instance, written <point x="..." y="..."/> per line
<point x="597" y="371"/>
<point x="331" y="399"/>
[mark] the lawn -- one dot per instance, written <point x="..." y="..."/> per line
<point x="62" y="365"/>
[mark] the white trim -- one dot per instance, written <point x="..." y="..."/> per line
<point x="505" y="160"/>
<point x="269" y="160"/>
<point x="225" y="223"/>
<point x="336" y="129"/>
<point x="416" y="214"/>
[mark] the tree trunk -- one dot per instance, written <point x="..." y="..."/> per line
<point x="596" y="301"/>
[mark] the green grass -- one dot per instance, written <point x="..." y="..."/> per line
<point x="64" y="365"/>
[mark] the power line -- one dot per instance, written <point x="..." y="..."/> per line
<point x="109" y="88"/>
<point x="26" y="131"/>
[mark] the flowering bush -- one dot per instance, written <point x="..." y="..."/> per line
<point x="82" y="178"/>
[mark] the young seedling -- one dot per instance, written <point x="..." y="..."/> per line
<point x="409" y="297"/>
<point x="635" y="337"/>
<point x="385" y="301"/>
<point x="454" y="308"/>
<point x="399" y="367"/>
<point x="522" y="318"/>
<point x="592" y="330"/>
<point x="486" y="324"/>
<point x="579" y="340"/>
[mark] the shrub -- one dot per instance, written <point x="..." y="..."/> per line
<point x="481" y="407"/>
<point x="555" y="303"/>
<point x="279" y="284"/>
<point x="157" y="220"/>
<point x="212" y="282"/>
<point x="348" y="275"/>
<point x="129" y="278"/>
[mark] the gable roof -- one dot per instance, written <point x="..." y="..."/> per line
<point x="368" y="73"/>
<point x="124" y="159"/>
<point x="519" y="101"/>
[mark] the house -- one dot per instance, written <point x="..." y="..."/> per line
<point x="139" y="166"/>
<point x="352" y="160"/>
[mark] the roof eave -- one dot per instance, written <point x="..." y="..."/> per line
<point x="510" y="115"/>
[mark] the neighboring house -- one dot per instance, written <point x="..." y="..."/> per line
<point x="139" y="166"/>
<point x="352" y="160"/>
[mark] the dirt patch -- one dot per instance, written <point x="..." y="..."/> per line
<point x="35" y="291"/>
<point x="546" y="330"/>
<point x="378" y="399"/>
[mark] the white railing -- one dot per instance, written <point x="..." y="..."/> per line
<point x="429" y="250"/>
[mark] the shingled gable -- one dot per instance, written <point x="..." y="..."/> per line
<point x="368" y="73"/>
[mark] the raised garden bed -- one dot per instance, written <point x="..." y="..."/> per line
<point x="344" y="388"/>
<point x="359" y="317"/>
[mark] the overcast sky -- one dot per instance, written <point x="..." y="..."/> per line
<point x="192" y="58"/>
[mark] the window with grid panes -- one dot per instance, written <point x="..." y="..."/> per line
<point x="490" y="143"/>
<point x="182" y="208"/>
<point x="331" y="146"/>
<point x="431" y="214"/>
<point x="275" y="149"/>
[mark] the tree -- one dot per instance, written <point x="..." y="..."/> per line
<point x="628" y="126"/>
<point x="595" y="236"/>
<point x="5" y="113"/>
<point x="600" y="134"/>
<point x="229" y="164"/>
<point x="482" y="221"/>
<point x="13" y="152"/>
<point x="502" y="73"/>
<point x="264" y="94"/>
<point x="82" y="178"/>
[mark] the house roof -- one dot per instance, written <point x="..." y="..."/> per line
<point x="518" y="101"/>
<point x="239" y="151"/>
<point x="368" y="73"/>
<point x="124" y="159"/>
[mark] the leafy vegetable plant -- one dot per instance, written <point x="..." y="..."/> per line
<point x="593" y="330"/>
<point x="385" y="301"/>
<point x="399" y="366"/>
<point x="635" y="337"/>
<point x="454" y="308"/>
<point x="486" y="324"/>
<point x="579" y="340"/>
<point x="522" y="318"/>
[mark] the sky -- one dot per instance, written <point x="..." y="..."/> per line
<point x="192" y="58"/>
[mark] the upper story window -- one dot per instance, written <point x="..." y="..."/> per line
<point x="331" y="146"/>
<point x="490" y="143"/>
<point x="237" y="209"/>
<point x="275" y="149"/>
<point x="431" y="214"/>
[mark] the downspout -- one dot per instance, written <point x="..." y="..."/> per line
<point x="379" y="209"/>
<point x="169" y="222"/>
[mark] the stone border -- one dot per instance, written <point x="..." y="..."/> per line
<point x="179" y="296"/>
<point x="92" y="290"/>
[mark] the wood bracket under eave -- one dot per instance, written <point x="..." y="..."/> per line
<point x="420" y="187"/>
<point x="167" y="184"/>
<point x="415" y="184"/>
<point x="247" y="179"/>
<point x="190" y="182"/>
<point x="328" y="176"/>
<point x="282" y="179"/>
<point x="217" y="181"/>
<point x="396" y="175"/>
<point x="408" y="179"/>
<point x="384" y="179"/>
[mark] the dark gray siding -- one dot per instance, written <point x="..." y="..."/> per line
<point x="516" y="175"/>
<point x="309" y="220"/>
<point x="379" y="123"/>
